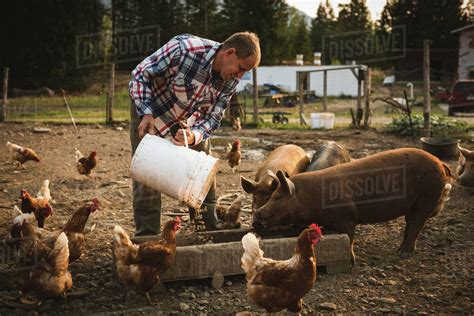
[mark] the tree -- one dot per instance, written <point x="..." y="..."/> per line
<point x="322" y="25"/>
<point x="298" y="37"/>
<point x="354" y="16"/>
<point x="267" y="18"/>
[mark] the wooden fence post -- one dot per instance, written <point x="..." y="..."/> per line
<point x="426" y="87"/>
<point x="325" y="91"/>
<point x="110" y="96"/>
<point x="255" y="95"/>
<point x="368" y="84"/>
<point x="3" y="112"/>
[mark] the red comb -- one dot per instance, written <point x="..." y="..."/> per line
<point x="178" y="219"/>
<point x="316" y="228"/>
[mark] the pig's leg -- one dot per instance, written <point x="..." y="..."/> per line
<point x="349" y="229"/>
<point x="417" y="219"/>
<point x="405" y="234"/>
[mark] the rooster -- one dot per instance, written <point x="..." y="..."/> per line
<point x="141" y="265"/>
<point x="20" y="155"/>
<point x="276" y="285"/>
<point x="50" y="275"/>
<point x="74" y="229"/>
<point x="84" y="164"/>
<point x="39" y="206"/>
<point x="233" y="155"/>
<point x="230" y="215"/>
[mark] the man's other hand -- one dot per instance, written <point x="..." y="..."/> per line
<point x="146" y="126"/>
<point x="179" y="137"/>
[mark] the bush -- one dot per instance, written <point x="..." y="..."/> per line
<point x="441" y="126"/>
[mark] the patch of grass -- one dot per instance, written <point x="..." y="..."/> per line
<point x="440" y="126"/>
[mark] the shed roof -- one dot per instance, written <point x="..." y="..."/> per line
<point x="464" y="28"/>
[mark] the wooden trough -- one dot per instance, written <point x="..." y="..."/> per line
<point x="198" y="261"/>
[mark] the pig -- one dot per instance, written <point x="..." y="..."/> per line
<point x="328" y="155"/>
<point x="402" y="182"/>
<point x="290" y="159"/>
<point x="465" y="168"/>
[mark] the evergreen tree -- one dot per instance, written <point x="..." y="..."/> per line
<point x="322" y="25"/>
<point x="298" y="40"/>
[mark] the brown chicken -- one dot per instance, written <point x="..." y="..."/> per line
<point x="39" y="206"/>
<point x="50" y="275"/>
<point x="86" y="164"/>
<point x="234" y="155"/>
<point x="230" y="215"/>
<point x="74" y="230"/>
<point x="141" y="265"/>
<point x="22" y="154"/>
<point x="235" y="122"/>
<point x="276" y="285"/>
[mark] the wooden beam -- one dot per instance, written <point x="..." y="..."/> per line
<point x="325" y="91"/>
<point x="368" y="87"/>
<point x="301" y="88"/>
<point x="3" y="112"/>
<point x="110" y="95"/>
<point x="426" y="87"/>
<point x="255" y="95"/>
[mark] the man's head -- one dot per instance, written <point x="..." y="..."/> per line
<point x="237" y="55"/>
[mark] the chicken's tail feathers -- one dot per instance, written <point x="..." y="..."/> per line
<point x="29" y="217"/>
<point x="78" y="154"/>
<point x="61" y="252"/>
<point x="14" y="147"/>
<point x="44" y="192"/>
<point x="16" y="212"/>
<point x="252" y="251"/>
<point x="122" y="243"/>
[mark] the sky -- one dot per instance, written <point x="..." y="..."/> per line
<point x="310" y="6"/>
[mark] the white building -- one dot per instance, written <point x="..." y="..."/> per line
<point x="339" y="82"/>
<point x="466" y="52"/>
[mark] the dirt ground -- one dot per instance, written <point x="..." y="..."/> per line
<point x="438" y="278"/>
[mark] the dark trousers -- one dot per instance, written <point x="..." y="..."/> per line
<point x="147" y="201"/>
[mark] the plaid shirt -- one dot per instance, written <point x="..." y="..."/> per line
<point x="177" y="83"/>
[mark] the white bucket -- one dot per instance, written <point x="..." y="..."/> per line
<point x="177" y="171"/>
<point x="323" y="120"/>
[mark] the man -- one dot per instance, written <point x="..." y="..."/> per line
<point x="184" y="87"/>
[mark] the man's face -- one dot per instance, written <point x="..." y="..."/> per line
<point x="233" y="67"/>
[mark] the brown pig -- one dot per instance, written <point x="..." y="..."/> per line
<point x="328" y="155"/>
<point x="465" y="168"/>
<point x="290" y="159"/>
<point x="402" y="182"/>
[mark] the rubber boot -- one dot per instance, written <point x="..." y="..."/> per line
<point x="210" y="217"/>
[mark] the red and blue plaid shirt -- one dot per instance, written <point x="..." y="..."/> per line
<point x="177" y="82"/>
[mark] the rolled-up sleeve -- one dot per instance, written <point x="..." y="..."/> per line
<point x="164" y="62"/>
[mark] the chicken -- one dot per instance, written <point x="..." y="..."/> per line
<point x="235" y="122"/>
<point x="84" y="164"/>
<point x="276" y="285"/>
<point x="230" y="215"/>
<point x="13" y="238"/>
<point x="74" y="230"/>
<point x="44" y="192"/>
<point x="39" y="206"/>
<point x="141" y="265"/>
<point x="233" y="155"/>
<point x="22" y="154"/>
<point x="50" y="275"/>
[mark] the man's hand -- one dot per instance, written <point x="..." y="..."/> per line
<point x="179" y="137"/>
<point x="146" y="126"/>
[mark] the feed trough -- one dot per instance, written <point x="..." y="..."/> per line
<point x="440" y="147"/>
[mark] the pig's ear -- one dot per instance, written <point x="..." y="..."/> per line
<point x="286" y="185"/>
<point x="248" y="185"/>
<point x="466" y="152"/>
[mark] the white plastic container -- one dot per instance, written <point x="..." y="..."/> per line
<point x="324" y="120"/>
<point x="177" y="171"/>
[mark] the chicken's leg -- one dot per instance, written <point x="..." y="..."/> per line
<point x="148" y="299"/>
<point x="65" y="300"/>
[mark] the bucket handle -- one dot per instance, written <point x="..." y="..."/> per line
<point x="185" y="138"/>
